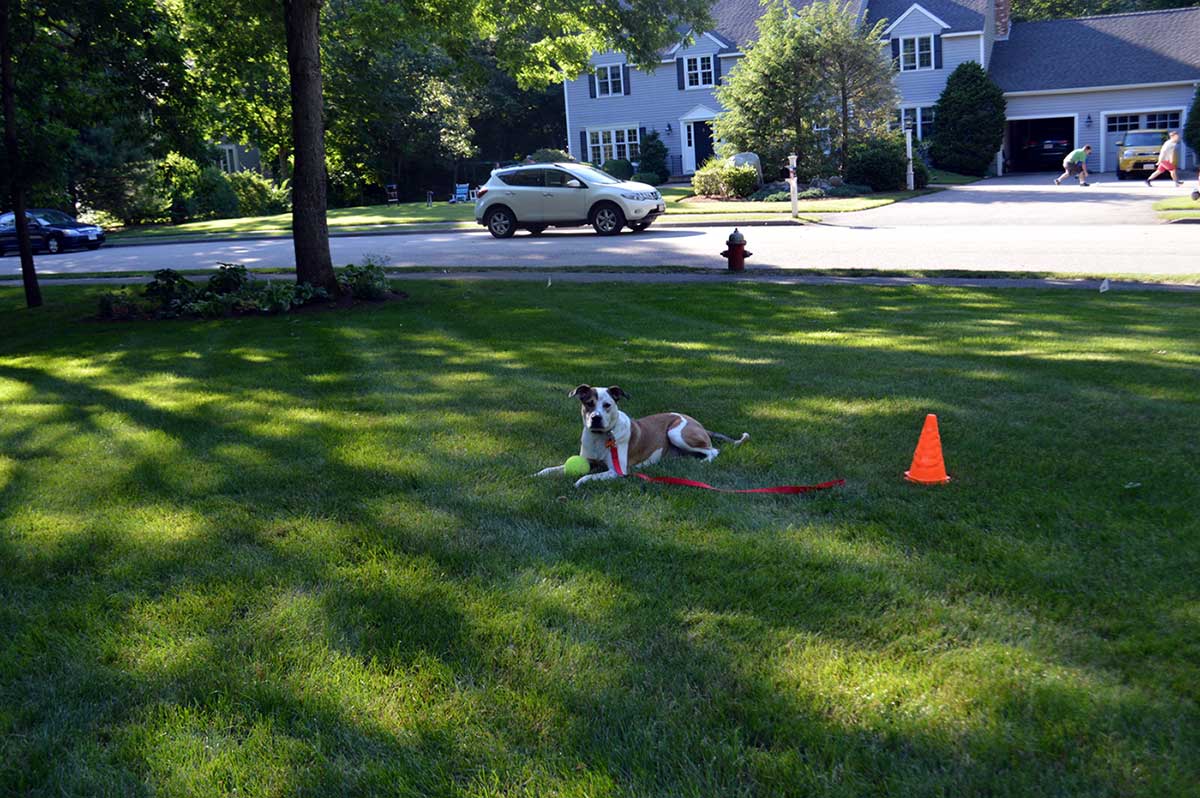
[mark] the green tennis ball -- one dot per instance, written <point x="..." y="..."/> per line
<point x="577" y="466"/>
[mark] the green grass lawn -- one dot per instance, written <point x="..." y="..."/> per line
<point x="680" y="199"/>
<point x="274" y="556"/>
<point x="346" y="218"/>
<point x="1179" y="207"/>
<point x="942" y="177"/>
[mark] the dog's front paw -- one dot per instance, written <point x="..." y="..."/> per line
<point x="546" y="472"/>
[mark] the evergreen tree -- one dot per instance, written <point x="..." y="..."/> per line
<point x="970" y="121"/>
<point x="1191" y="129"/>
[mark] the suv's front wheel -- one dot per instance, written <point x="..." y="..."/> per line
<point x="608" y="219"/>
<point x="500" y="222"/>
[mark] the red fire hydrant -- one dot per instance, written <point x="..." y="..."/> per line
<point x="736" y="252"/>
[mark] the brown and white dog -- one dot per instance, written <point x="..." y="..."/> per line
<point x="639" y="443"/>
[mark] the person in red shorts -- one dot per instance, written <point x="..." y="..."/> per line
<point x="1166" y="159"/>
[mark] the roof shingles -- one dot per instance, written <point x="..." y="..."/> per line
<point x="1115" y="50"/>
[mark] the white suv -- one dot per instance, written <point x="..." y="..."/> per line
<point x="564" y="195"/>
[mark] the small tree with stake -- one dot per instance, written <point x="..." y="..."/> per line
<point x="970" y="121"/>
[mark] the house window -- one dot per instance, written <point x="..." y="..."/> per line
<point x="229" y="158"/>
<point x="608" y="81"/>
<point x="1119" y="124"/>
<point x="921" y="119"/>
<point x="1163" y="121"/>
<point x="608" y="143"/>
<point x="916" y="52"/>
<point x="699" y="71"/>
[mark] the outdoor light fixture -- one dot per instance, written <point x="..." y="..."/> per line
<point x="668" y="128"/>
<point x="1088" y="122"/>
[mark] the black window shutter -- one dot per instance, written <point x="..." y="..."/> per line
<point x="584" y="155"/>
<point x="717" y="69"/>
<point x="592" y="85"/>
<point x="937" y="52"/>
<point x="679" y="72"/>
<point x="641" y="138"/>
<point x="625" y="78"/>
<point x="895" y="55"/>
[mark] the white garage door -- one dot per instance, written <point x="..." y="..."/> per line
<point x="1115" y="123"/>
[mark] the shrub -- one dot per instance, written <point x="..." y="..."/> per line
<point x="228" y="279"/>
<point x="549" y="155"/>
<point x="258" y="196"/>
<point x="366" y="280"/>
<point x="277" y="296"/>
<point x="214" y="197"/>
<point x="121" y="305"/>
<point x="920" y="173"/>
<point x="180" y="177"/>
<point x="970" y="117"/>
<point x="879" y="163"/>
<point x="170" y="291"/>
<point x="653" y="158"/>
<point x="618" y="168"/>
<point x="649" y="178"/>
<point x="717" y="178"/>
<point x="848" y="190"/>
<point x="1191" y="129"/>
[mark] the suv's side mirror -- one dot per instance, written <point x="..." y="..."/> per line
<point x="573" y="183"/>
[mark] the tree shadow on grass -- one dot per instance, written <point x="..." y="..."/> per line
<point x="348" y="583"/>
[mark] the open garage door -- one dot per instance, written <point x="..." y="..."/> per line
<point x="1039" y="145"/>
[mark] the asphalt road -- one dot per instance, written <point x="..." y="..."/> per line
<point x="1013" y="224"/>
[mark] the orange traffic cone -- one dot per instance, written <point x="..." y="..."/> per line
<point x="927" y="467"/>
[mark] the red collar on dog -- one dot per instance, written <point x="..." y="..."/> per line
<point x="691" y="483"/>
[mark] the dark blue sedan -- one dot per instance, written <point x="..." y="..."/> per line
<point x="50" y="230"/>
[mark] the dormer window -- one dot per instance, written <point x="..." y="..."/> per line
<point x="608" y="80"/>
<point x="699" y="71"/>
<point x="916" y="53"/>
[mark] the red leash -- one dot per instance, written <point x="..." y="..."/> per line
<point x="691" y="483"/>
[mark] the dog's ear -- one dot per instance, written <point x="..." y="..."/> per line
<point x="617" y="393"/>
<point x="581" y="392"/>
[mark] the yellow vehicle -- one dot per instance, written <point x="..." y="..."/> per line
<point x="1138" y="152"/>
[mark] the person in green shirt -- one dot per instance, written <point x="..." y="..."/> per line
<point x="1075" y="165"/>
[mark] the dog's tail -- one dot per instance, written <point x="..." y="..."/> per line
<point x="735" y="441"/>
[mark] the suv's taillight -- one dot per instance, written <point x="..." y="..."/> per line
<point x="480" y="192"/>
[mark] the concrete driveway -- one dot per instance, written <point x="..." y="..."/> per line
<point x="1027" y="199"/>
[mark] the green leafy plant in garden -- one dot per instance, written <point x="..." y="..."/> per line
<point x="618" y="168"/>
<point x="653" y="158"/>
<point x="550" y="155"/>
<point x="649" y="178"/>
<point x="1191" y="128"/>
<point x="970" y="117"/>
<point x="881" y="163"/>
<point x="259" y="196"/>
<point x="366" y="280"/>
<point x="719" y="178"/>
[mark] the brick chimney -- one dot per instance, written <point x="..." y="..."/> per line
<point x="1003" y="8"/>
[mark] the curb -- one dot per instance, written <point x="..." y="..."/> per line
<point x="715" y="276"/>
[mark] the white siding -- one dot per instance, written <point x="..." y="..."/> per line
<point x="1098" y="103"/>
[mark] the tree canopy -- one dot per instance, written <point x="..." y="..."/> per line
<point x="814" y="79"/>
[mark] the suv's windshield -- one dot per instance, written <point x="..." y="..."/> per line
<point x="592" y="175"/>
<point x="1148" y="139"/>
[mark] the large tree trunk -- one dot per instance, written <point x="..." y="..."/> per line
<point x="310" y="233"/>
<point x="16" y="177"/>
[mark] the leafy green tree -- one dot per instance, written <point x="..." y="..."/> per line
<point x="771" y="102"/>
<point x="970" y="121"/>
<point x="1191" y="128"/>
<point x="855" y="76"/>
<point x="120" y="93"/>
<point x="817" y="69"/>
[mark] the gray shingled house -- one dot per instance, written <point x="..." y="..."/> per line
<point x="1078" y="81"/>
